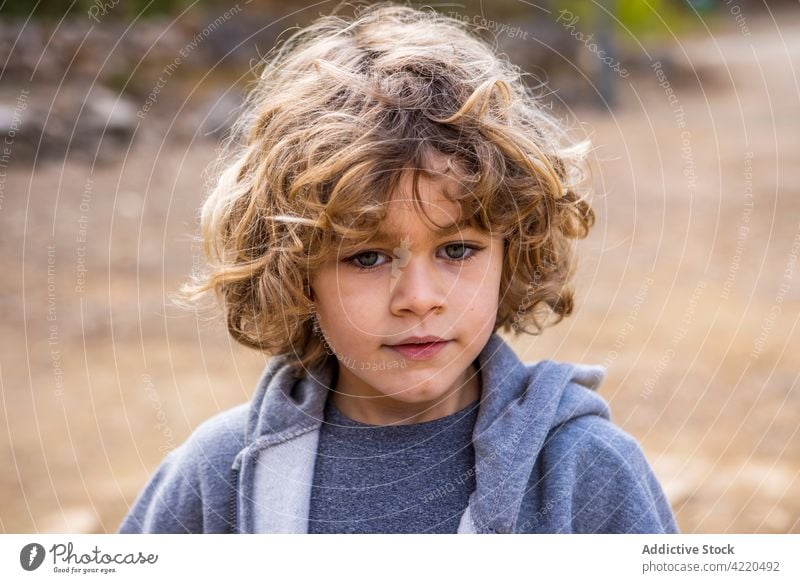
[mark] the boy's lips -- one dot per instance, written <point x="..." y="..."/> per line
<point x="423" y="351"/>
<point x="419" y="340"/>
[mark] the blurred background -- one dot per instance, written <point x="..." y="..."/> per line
<point x="688" y="288"/>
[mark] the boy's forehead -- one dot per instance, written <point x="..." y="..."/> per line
<point x="404" y="218"/>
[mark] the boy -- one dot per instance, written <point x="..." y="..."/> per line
<point x="393" y="197"/>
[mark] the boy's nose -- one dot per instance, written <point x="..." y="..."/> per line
<point x="417" y="287"/>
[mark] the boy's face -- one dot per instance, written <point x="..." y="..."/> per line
<point x="417" y="283"/>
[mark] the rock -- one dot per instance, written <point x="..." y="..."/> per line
<point x="53" y="122"/>
<point x="215" y="114"/>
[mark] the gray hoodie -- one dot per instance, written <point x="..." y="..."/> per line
<point x="547" y="458"/>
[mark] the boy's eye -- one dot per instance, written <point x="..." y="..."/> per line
<point x="366" y="259"/>
<point x="455" y="252"/>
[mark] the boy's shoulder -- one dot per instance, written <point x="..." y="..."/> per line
<point x="583" y="429"/>
<point x="191" y="489"/>
<point x="605" y="474"/>
<point x="214" y="443"/>
<point x="590" y="455"/>
<point x="221" y="433"/>
<point x="582" y="434"/>
<point x="588" y="437"/>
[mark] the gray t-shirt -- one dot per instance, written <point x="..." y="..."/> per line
<point x="392" y="479"/>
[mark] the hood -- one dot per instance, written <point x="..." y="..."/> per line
<point x="520" y="404"/>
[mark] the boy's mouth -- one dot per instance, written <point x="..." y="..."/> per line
<point x="419" y="340"/>
<point x="420" y="351"/>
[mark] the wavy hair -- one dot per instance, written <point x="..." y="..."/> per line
<point x="341" y="109"/>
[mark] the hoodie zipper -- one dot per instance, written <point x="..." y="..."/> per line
<point x="234" y="500"/>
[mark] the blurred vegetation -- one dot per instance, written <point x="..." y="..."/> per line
<point x="121" y="9"/>
<point x="637" y="19"/>
<point x="630" y="20"/>
<point x="623" y="23"/>
<point x="635" y="16"/>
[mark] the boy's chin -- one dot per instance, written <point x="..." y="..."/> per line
<point x="416" y="392"/>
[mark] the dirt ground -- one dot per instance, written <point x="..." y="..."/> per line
<point x="688" y="292"/>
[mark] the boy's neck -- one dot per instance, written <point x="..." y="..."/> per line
<point x="388" y="411"/>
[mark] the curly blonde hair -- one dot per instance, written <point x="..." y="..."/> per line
<point x="341" y="110"/>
